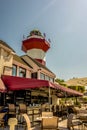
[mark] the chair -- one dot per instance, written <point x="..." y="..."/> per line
<point x="76" y="110"/>
<point x="85" y="126"/>
<point x="50" y="123"/>
<point x="1" y="108"/>
<point x="12" y="109"/>
<point x="45" y="107"/>
<point x="28" y="123"/>
<point x="71" y="124"/>
<point x="83" y="118"/>
<point x="12" y="122"/>
<point x="22" y="108"/>
<point x="2" y="122"/>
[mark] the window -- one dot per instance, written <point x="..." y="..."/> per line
<point x="22" y="72"/>
<point x="51" y="79"/>
<point x="47" y="77"/>
<point x="14" y="70"/>
<point x="42" y="76"/>
<point x="34" y="75"/>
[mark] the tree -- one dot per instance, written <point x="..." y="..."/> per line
<point x="60" y="81"/>
<point x="78" y="88"/>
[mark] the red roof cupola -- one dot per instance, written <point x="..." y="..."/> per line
<point x="36" y="46"/>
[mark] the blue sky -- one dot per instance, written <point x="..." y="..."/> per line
<point x="63" y="21"/>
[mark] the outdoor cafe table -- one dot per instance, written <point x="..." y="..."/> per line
<point x="40" y="118"/>
<point x="48" y="122"/>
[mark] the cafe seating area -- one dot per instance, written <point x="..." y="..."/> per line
<point x="35" y="118"/>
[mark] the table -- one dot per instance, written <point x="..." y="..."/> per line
<point x="50" y="122"/>
<point x="40" y="118"/>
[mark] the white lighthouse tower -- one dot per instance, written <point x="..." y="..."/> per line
<point x="36" y="46"/>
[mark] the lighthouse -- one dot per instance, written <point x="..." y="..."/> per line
<point x="36" y="46"/>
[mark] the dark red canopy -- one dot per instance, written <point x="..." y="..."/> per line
<point x="68" y="92"/>
<point x="20" y="83"/>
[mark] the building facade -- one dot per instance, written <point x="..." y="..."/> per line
<point x="30" y="65"/>
<point x="26" y="78"/>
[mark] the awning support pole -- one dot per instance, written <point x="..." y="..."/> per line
<point x="49" y="99"/>
<point x="65" y="102"/>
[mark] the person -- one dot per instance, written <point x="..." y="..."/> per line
<point x="70" y="110"/>
<point x="70" y="117"/>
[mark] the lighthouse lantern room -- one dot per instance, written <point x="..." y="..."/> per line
<point x="36" y="46"/>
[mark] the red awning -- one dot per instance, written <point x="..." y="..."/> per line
<point x="19" y="83"/>
<point x="2" y="86"/>
<point x="69" y="92"/>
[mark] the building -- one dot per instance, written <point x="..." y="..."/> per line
<point x="24" y="76"/>
<point x="30" y="65"/>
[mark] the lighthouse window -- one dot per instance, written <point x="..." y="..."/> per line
<point x="35" y="32"/>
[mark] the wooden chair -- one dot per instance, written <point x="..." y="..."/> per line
<point x="83" y="118"/>
<point x="71" y="124"/>
<point x="45" y="107"/>
<point x="85" y="126"/>
<point x="2" y="121"/>
<point x="50" y="123"/>
<point x="1" y="108"/>
<point x="28" y="123"/>
<point x="76" y="110"/>
<point x="22" y="108"/>
<point x="12" y="109"/>
<point x="12" y="122"/>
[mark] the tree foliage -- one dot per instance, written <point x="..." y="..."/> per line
<point x="78" y="88"/>
<point x="60" y="81"/>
